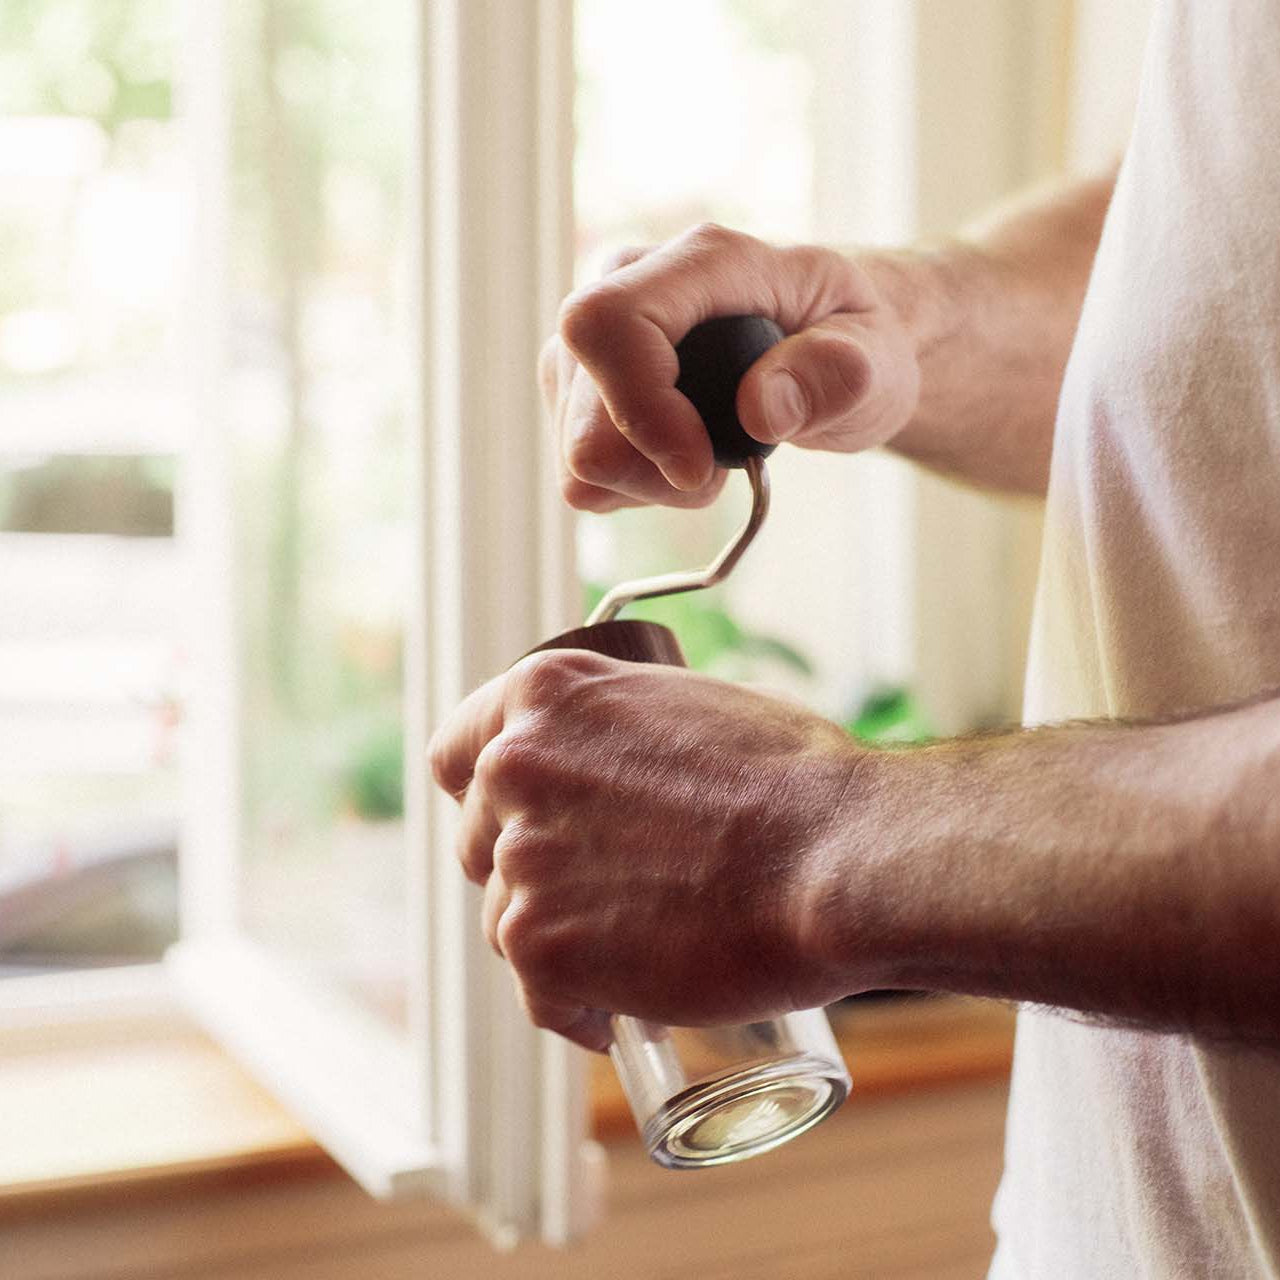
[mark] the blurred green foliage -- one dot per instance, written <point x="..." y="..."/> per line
<point x="321" y="105"/>
<point x="890" y="716"/>
<point x="375" y="777"/>
<point x="712" y="640"/>
<point x="771" y="24"/>
<point x="107" y="60"/>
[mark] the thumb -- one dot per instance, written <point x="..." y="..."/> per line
<point x="812" y="380"/>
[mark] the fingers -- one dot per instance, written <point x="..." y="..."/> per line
<point x="592" y="450"/>
<point x="480" y="760"/>
<point x="846" y="383"/>
<point x="587" y="1027"/>
<point x="456" y="745"/>
<point x="623" y="330"/>
<point x="485" y="728"/>
<point x="633" y="367"/>
<point x="556" y="374"/>
<point x="555" y="364"/>
<point x="485" y="760"/>
<point x="599" y="471"/>
<point x="814" y="379"/>
<point x="497" y="898"/>
<point x="604" y="460"/>
<point x="478" y="830"/>
<point x="624" y="347"/>
<point x="624" y="257"/>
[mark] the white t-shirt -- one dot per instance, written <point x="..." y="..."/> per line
<point x="1134" y="1155"/>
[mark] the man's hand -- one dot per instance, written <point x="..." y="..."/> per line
<point x="648" y="839"/>
<point x="951" y="355"/>
<point x="846" y="377"/>
<point x="658" y="843"/>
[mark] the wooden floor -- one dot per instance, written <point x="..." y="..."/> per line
<point x="896" y="1188"/>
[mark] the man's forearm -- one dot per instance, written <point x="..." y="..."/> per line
<point x="996" y="312"/>
<point x="1131" y="873"/>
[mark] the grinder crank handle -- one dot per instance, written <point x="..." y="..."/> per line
<point x="713" y="357"/>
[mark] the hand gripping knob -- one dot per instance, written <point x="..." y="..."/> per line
<point x="713" y="357"/>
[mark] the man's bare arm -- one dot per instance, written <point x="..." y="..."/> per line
<point x="996" y="313"/>
<point x="952" y="354"/>
<point x="1128" y="872"/>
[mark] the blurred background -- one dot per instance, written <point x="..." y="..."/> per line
<point x="95" y="229"/>
<point x="891" y="603"/>
<point x="847" y="603"/>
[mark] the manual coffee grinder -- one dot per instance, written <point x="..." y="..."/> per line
<point x="714" y="1095"/>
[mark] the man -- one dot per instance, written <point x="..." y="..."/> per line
<point x="1116" y="870"/>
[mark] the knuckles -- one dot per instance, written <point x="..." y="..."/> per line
<point x="589" y="315"/>
<point x="532" y="945"/>
<point x="523" y="855"/>
<point x="581" y="495"/>
<point x="623" y="257"/>
<point x="546" y="679"/>
<point x="523" y="760"/>
<point x="512" y="932"/>
<point x="711" y="238"/>
<point x="511" y="764"/>
<point x="586" y="457"/>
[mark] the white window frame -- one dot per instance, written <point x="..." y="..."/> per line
<point x="473" y="1103"/>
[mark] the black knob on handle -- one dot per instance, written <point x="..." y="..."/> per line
<point x="713" y="357"/>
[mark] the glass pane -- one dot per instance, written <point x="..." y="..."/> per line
<point x="91" y="660"/>
<point x="733" y="146"/>
<point x="736" y="144"/>
<point x="322" y="97"/>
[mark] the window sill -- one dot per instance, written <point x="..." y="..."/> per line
<point x="147" y="1100"/>
<point x="156" y="1104"/>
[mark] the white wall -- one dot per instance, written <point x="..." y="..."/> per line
<point x="925" y="112"/>
<point x="1109" y="39"/>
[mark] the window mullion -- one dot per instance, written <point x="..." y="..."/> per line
<point x="211" y="805"/>
<point x="508" y="1107"/>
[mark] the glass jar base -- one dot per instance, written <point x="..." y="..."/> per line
<point x="745" y="1114"/>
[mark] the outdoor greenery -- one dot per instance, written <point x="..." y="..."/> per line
<point x="105" y="60"/>
<point x="710" y="638"/>
<point x="318" y="158"/>
<point x="319" y="155"/>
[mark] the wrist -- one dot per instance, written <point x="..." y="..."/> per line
<point x="851" y="929"/>
<point x="923" y="289"/>
<point x="904" y="879"/>
<point x="985" y="404"/>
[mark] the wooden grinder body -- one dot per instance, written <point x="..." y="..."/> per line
<point x="630" y="639"/>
